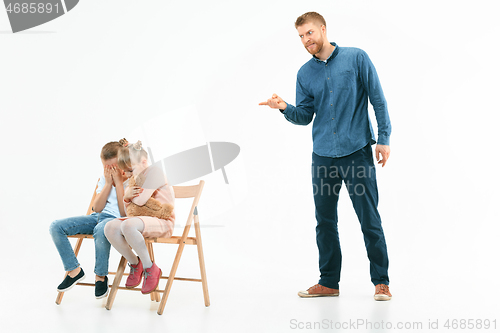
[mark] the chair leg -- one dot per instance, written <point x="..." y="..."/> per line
<point x="116" y="283"/>
<point x="76" y="250"/>
<point x="155" y="296"/>
<point x="171" y="278"/>
<point x="202" y="260"/>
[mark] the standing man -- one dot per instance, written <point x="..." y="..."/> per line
<point x="335" y="85"/>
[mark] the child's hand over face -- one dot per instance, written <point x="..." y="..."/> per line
<point x="131" y="192"/>
<point x="116" y="173"/>
<point x="108" y="174"/>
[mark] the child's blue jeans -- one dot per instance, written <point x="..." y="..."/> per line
<point x="88" y="224"/>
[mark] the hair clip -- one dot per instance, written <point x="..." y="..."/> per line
<point x="137" y="145"/>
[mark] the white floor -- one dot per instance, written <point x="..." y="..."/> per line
<point x="253" y="276"/>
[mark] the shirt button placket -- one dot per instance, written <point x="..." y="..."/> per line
<point x="330" y="86"/>
<point x="331" y="92"/>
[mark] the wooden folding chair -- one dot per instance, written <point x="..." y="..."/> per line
<point x="180" y="192"/>
<point x="80" y="238"/>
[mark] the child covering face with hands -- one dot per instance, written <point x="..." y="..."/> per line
<point x="108" y="205"/>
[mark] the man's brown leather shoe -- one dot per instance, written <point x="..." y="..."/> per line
<point x="382" y="293"/>
<point x="318" y="290"/>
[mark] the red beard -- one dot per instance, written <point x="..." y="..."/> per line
<point x="318" y="46"/>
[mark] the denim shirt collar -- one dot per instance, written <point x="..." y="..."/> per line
<point x="333" y="55"/>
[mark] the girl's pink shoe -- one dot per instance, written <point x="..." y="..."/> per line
<point x="151" y="279"/>
<point x="135" y="276"/>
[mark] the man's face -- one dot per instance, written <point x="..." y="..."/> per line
<point x="311" y="36"/>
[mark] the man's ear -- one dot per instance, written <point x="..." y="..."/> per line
<point x="323" y="29"/>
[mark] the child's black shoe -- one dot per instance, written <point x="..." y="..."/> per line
<point x="101" y="288"/>
<point x="69" y="282"/>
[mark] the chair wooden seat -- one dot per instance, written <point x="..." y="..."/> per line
<point x="171" y="240"/>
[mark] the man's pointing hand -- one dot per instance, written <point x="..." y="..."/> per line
<point x="275" y="102"/>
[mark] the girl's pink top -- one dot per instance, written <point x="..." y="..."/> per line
<point x="156" y="186"/>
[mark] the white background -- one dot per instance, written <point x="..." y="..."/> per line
<point x="92" y="75"/>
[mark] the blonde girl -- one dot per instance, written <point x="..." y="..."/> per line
<point x="127" y="234"/>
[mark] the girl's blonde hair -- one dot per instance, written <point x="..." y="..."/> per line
<point x="110" y="149"/>
<point x="134" y="151"/>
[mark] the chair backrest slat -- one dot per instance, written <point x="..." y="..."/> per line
<point x="186" y="191"/>
<point x="91" y="205"/>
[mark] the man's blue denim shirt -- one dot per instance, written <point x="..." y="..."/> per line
<point x="337" y="92"/>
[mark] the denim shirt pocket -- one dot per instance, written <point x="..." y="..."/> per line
<point x="345" y="80"/>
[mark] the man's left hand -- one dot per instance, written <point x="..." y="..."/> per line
<point x="383" y="150"/>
